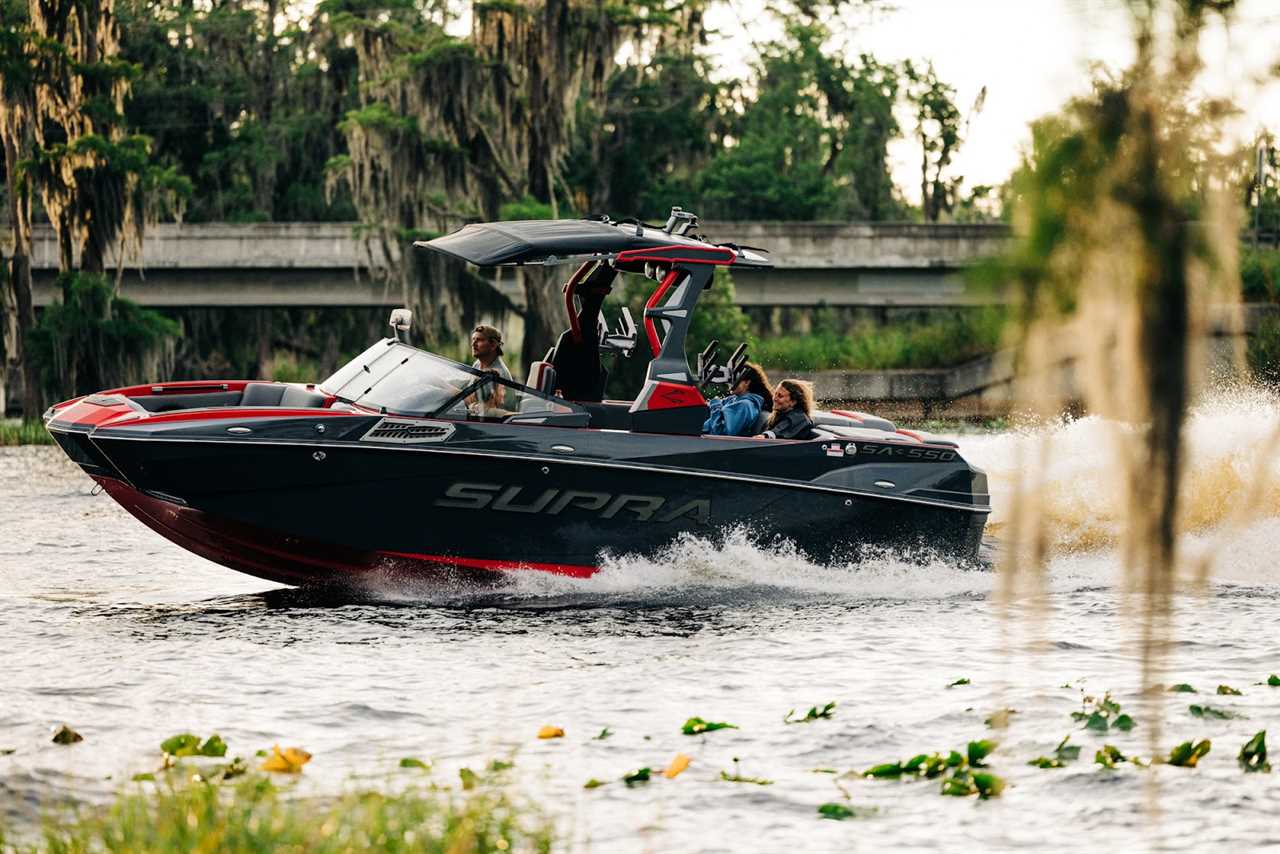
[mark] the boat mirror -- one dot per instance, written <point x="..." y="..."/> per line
<point x="401" y="320"/>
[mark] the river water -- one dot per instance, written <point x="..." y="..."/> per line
<point x="111" y="629"/>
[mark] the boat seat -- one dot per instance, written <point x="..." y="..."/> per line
<point x="281" y="394"/>
<point x="542" y="377"/>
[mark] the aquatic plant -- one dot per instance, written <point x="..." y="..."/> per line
<point x="825" y="713"/>
<point x="64" y="734"/>
<point x="1109" y="756"/>
<point x="1104" y="715"/>
<point x="186" y="744"/>
<point x="1273" y="680"/>
<point x="957" y="771"/>
<point x="697" y="726"/>
<point x="677" y="766"/>
<point x="411" y="762"/>
<point x="1187" y="754"/>
<point x="1253" y="756"/>
<point x="1182" y="688"/>
<point x="551" y="732"/>
<point x="287" y="761"/>
<point x="1228" y="691"/>
<point x="738" y="777"/>
<point x="1062" y="754"/>
<point x="1210" y="712"/>
<point x="963" y="680"/>
<point x="604" y="733"/>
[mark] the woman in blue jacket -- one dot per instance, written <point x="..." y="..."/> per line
<point x="739" y="414"/>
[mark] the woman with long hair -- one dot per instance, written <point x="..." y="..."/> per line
<point x="738" y="413"/>
<point x="792" y="412"/>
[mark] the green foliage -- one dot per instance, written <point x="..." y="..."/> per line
<point x="1211" y="712"/>
<point x="1105" y="714"/>
<point x="697" y="726"/>
<point x="963" y="680"/>
<point x="66" y="735"/>
<point x="827" y="712"/>
<point x="637" y="775"/>
<point x="411" y="762"/>
<point x="960" y="773"/>
<point x="954" y="339"/>
<point x="1273" y="680"/>
<point x="186" y="744"/>
<point x="526" y="208"/>
<point x="1108" y="756"/>
<point x="94" y="339"/>
<point x="1062" y="754"/>
<point x="1187" y="754"/>
<point x="255" y="815"/>
<point x="1263" y="352"/>
<point x="1228" y="691"/>
<point x="1253" y="755"/>
<point x="814" y="142"/>
<point x="1182" y="688"/>
<point x="1260" y="275"/>
<point x="23" y="433"/>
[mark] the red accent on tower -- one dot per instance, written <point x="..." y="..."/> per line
<point x="650" y="328"/>
<point x="673" y="396"/>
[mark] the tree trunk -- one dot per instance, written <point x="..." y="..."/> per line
<point x="544" y="316"/>
<point x="20" y="281"/>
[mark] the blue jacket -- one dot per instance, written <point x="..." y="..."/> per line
<point x="735" y="415"/>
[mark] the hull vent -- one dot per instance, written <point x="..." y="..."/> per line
<point x="407" y="431"/>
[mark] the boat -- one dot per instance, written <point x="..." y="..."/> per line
<point x="407" y="462"/>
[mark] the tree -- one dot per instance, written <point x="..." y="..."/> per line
<point x="939" y="132"/>
<point x="813" y="144"/>
<point x="453" y="128"/>
<point x="18" y="51"/>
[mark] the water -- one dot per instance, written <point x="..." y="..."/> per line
<point x="113" y="630"/>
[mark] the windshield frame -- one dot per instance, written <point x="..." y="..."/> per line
<point x="373" y="354"/>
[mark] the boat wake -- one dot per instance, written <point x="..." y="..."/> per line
<point x="1231" y="438"/>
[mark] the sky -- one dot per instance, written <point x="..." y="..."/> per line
<point x="1032" y="55"/>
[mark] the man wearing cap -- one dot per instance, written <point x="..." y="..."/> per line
<point x="486" y="346"/>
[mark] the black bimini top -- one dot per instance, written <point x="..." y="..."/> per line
<point x="555" y="241"/>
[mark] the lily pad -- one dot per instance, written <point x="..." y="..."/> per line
<point x="593" y="783"/>
<point x="411" y="762"/>
<point x="697" y="726"/>
<point x="884" y="771"/>
<point x="1227" y="690"/>
<point x="1211" y="712"/>
<point x="66" y="735"/>
<point x="1062" y="754"/>
<point x="1253" y="756"/>
<point x="963" y="680"/>
<point x="988" y="785"/>
<point x="1182" y="688"/>
<point x="1124" y="723"/>
<point x="1273" y="680"/>
<point x="1187" y="754"/>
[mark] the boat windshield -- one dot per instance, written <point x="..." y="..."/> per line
<point x="395" y="377"/>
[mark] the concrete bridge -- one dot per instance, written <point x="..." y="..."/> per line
<point x="321" y="264"/>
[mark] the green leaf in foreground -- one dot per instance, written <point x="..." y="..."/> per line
<point x="963" y="680"/>
<point x="825" y="713"/>
<point x="697" y="726"/>
<point x="66" y="735"/>
<point x="1210" y="712"/>
<point x="1228" y="691"/>
<point x="639" y="775"/>
<point x="411" y="762"/>
<point x="1182" y="688"/>
<point x="1186" y="755"/>
<point x="1253" y="756"/>
<point x="1108" y="756"/>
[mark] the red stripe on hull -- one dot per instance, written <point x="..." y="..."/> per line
<point x="572" y="569"/>
<point x="287" y="559"/>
